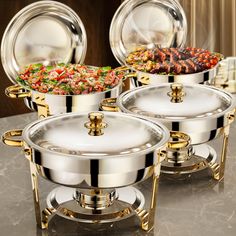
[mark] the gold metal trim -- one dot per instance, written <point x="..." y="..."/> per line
<point x="7" y="138"/>
<point x="109" y="104"/>
<point x="43" y="109"/>
<point x="179" y="140"/>
<point x="177" y="93"/>
<point x="127" y="70"/>
<point x="218" y="169"/>
<point x="147" y="218"/>
<point x="145" y="80"/>
<point x="96" y="125"/>
<point x="16" y="91"/>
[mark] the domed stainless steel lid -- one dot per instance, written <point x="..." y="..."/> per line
<point x="45" y="32"/>
<point x="72" y="135"/>
<point x="197" y="101"/>
<point x="147" y="23"/>
<point x="197" y="110"/>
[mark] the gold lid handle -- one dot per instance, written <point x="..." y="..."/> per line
<point x="95" y="125"/>
<point x="177" y="93"/>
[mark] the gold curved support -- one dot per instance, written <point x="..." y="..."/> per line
<point x="42" y="218"/>
<point x="16" y="91"/>
<point x="46" y="215"/>
<point x="109" y="104"/>
<point x="178" y="140"/>
<point x="128" y="72"/>
<point x="218" y="169"/>
<point x="147" y="217"/>
<point x="43" y="108"/>
<point x="122" y="68"/>
<point x="7" y="138"/>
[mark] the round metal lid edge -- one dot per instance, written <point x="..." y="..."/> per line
<point x="10" y="72"/>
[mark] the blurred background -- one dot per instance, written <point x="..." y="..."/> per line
<point x="211" y="25"/>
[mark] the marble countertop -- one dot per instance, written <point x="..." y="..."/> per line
<point x="188" y="206"/>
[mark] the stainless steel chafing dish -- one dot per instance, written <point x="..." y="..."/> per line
<point x="47" y="32"/>
<point x="201" y="113"/>
<point x="94" y="158"/>
<point x="150" y="24"/>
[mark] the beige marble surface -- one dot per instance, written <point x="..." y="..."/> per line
<point x="190" y="206"/>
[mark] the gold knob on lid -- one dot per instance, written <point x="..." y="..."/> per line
<point x="177" y="93"/>
<point x="96" y="124"/>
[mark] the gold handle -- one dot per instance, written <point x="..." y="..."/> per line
<point x="7" y="138"/>
<point x="145" y="80"/>
<point x="96" y="124"/>
<point x="16" y="91"/>
<point x="128" y="72"/>
<point x="177" y="92"/>
<point x="178" y="140"/>
<point x="109" y="104"/>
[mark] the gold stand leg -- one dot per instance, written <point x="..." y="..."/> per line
<point x="35" y="187"/>
<point x="42" y="219"/>
<point x="218" y="169"/>
<point x="147" y="218"/>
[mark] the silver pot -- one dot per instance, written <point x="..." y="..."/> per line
<point x="72" y="150"/>
<point x="142" y="78"/>
<point x="195" y="114"/>
<point x="47" y="32"/>
<point x="152" y="23"/>
<point x="51" y="104"/>
<point x="202" y="114"/>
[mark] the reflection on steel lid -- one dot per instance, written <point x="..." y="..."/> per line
<point x="147" y="23"/>
<point x="123" y="135"/>
<point x="45" y="32"/>
<point x="192" y="102"/>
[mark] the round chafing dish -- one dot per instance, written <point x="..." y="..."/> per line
<point x="201" y="112"/>
<point x="47" y="32"/>
<point x="94" y="153"/>
<point x="151" y="24"/>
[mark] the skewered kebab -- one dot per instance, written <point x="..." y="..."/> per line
<point x="172" y="60"/>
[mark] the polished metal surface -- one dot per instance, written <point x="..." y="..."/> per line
<point x="128" y="200"/>
<point x="187" y="206"/>
<point x="147" y="23"/>
<point x="143" y="78"/>
<point x="65" y="153"/>
<point x="95" y="199"/>
<point x="51" y="104"/>
<point x="45" y="32"/>
<point x="66" y="135"/>
<point x="204" y="112"/>
<point x="154" y="101"/>
<point x="199" y="158"/>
